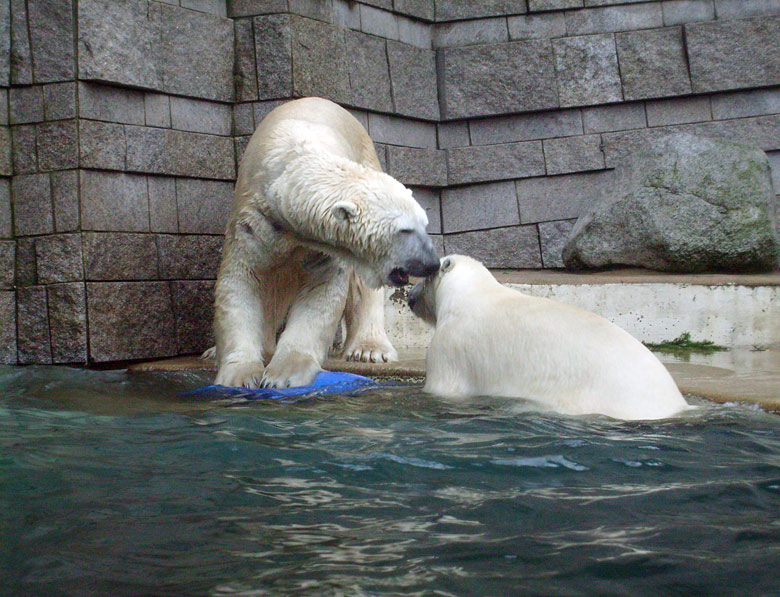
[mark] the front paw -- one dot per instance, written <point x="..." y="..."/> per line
<point x="209" y="354"/>
<point x="290" y="370"/>
<point x="240" y="375"/>
<point x="371" y="351"/>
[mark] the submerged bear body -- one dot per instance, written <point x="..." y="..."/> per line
<point x="491" y="340"/>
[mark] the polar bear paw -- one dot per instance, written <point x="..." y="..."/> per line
<point x="240" y="375"/>
<point x="209" y="354"/>
<point x="371" y="351"/>
<point x="290" y="370"/>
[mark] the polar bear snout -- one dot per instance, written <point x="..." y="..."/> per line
<point x="414" y="255"/>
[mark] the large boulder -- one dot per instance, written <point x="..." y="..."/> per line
<point x="683" y="204"/>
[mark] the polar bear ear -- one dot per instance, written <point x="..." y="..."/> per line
<point x="447" y="265"/>
<point x="344" y="211"/>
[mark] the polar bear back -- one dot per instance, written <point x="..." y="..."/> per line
<point x="492" y="340"/>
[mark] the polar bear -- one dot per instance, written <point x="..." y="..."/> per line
<point x="314" y="220"/>
<point x="490" y="340"/>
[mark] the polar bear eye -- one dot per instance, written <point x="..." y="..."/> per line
<point x="406" y="231"/>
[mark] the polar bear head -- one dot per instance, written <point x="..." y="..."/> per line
<point x="458" y="277"/>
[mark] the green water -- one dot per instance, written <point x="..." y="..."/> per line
<point x="115" y="484"/>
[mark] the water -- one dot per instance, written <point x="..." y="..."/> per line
<point x="112" y="483"/>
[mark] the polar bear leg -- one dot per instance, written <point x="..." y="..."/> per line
<point x="238" y="328"/>
<point x="365" y="318"/>
<point x="311" y="326"/>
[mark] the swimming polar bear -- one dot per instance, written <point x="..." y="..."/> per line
<point x="491" y="340"/>
<point x="314" y="219"/>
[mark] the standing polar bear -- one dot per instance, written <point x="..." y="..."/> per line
<point x="314" y="220"/>
<point x="494" y="341"/>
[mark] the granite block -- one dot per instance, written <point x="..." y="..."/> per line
<point x="678" y="111"/>
<point x="543" y="5"/>
<point x="119" y="42"/>
<point x="653" y="63"/>
<point x="679" y="12"/>
<point x="381" y="23"/>
<point x="65" y="197"/>
<point x="6" y="223"/>
<point x="120" y="256"/>
<point x="21" y="54"/>
<point x="762" y="131"/>
<point x="51" y="39"/>
<point x="26" y="269"/>
<point x="24" y="158"/>
<point x="479" y="206"/>
<point x="507" y="129"/>
<point x="415" y="33"/>
<point x="552" y="238"/>
<point x="112" y="104"/>
<point x="414" y="166"/>
<point x="157" y="110"/>
<point x="67" y="305"/>
<point x="203" y="205"/>
<point x="262" y="109"/>
<point x="587" y="70"/>
<point x="31" y="195"/>
<point x="381" y="154"/>
<point x="201" y="116"/>
<point x="5" y="55"/>
<point x="430" y="201"/>
<point x="8" y="327"/>
<point x="249" y="8"/>
<point x="422" y="9"/>
<point x="25" y="104"/>
<point x="57" y="145"/>
<point x="496" y="79"/>
<point x="217" y="8"/>
<point x="611" y="19"/>
<point x="743" y="9"/>
<point x="197" y="54"/>
<point x="32" y="321"/>
<point x="239" y="144"/>
<point x="740" y="104"/>
<point x="368" y="72"/>
<point x="273" y="51"/>
<point x="620" y="117"/>
<point x="514" y="247"/>
<point x="495" y="162"/>
<point x="322" y="10"/>
<point x="246" y="66"/>
<point x="163" y="212"/>
<point x="3" y="106"/>
<point x="737" y="54"/>
<point x="452" y="10"/>
<point x="454" y="134"/>
<point x="193" y="309"/>
<point x="130" y="320"/>
<point x="346" y="14"/>
<point x="189" y="257"/>
<point x="469" y="33"/>
<point x="7" y="264"/>
<point x="114" y="201"/>
<point x="59" y="101"/>
<point x="320" y="65"/>
<point x="413" y="78"/>
<point x="537" y="26"/>
<point x="6" y="152"/>
<point x="243" y="119"/>
<point x="102" y="145"/>
<point x="179" y="153"/>
<point x="560" y="197"/>
<point x="401" y="131"/>
<point x="59" y="258"/>
<point x="573" y="154"/>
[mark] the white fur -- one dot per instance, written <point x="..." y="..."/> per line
<point x="309" y="184"/>
<point x="494" y="341"/>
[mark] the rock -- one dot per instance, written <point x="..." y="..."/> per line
<point x="685" y="204"/>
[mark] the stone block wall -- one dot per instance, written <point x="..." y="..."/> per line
<point x="122" y="123"/>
